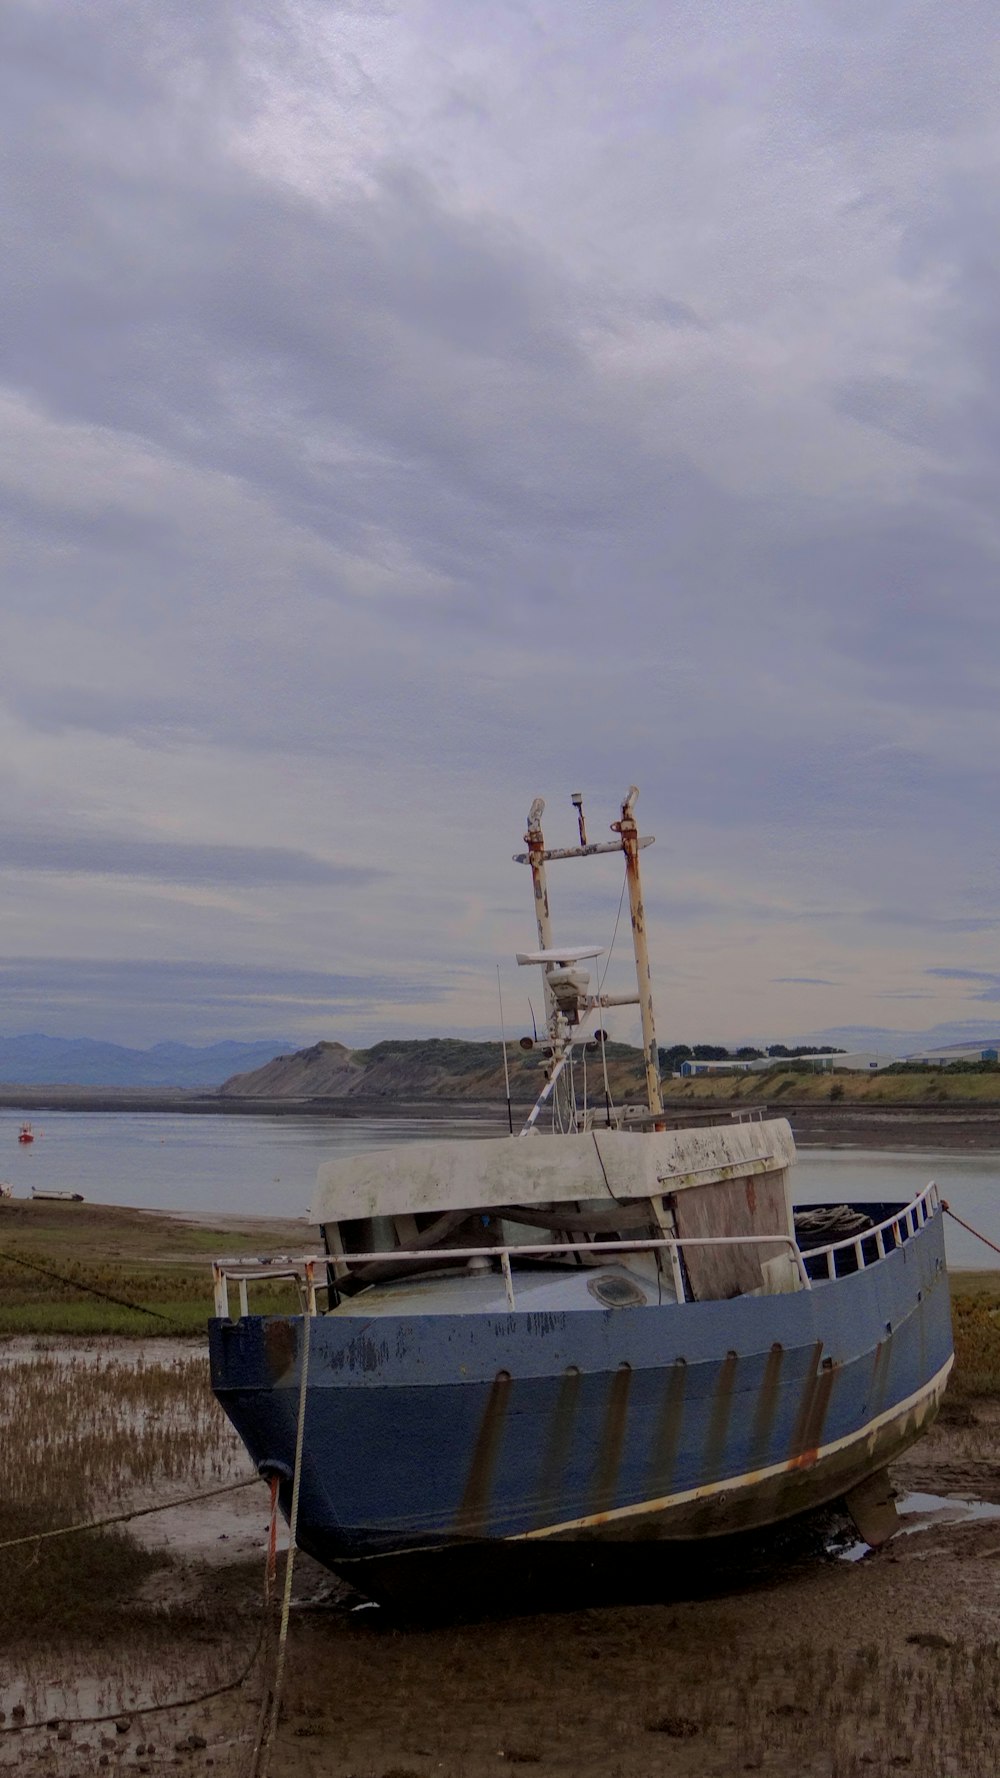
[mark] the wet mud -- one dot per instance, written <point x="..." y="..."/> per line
<point x="774" y="1656"/>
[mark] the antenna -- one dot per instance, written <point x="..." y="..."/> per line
<point x="506" y="1070"/>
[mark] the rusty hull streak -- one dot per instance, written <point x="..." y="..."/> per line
<point x="560" y="1441"/>
<point x="612" y="1439"/>
<point x="473" y="1513"/>
<point x="880" y="1375"/>
<point x="722" y="1407"/>
<point x="767" y="1407"/>
<point x="812" y="1412"/>
<point x="280" y="1345"/>
<point x="668" y="1430"/>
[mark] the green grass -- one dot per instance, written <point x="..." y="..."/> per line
<point x="975" y="1315"/>
<point x="956" y="1085"/>
<point x="143" y="1259"/>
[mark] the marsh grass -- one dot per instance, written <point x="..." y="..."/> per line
<point x="59" y="1265"/>
<point x="84" y="1435"/>
<point x="975" y="1317"/>
<point x="77" y="1302"/>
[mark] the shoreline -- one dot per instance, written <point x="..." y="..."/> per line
<point x="970" y="1126"/>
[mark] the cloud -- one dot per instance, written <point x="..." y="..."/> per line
<point x="402" y="414"/>
<point x="986" y="981"/>
<point x="197" y="1000"/>
<point x="169" y="861"/>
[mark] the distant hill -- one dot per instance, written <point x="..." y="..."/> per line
<point x="424" y="1068"/>
<point x="36" y="1060"/>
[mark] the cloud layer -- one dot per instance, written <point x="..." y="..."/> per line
<point x="406" y="411"/>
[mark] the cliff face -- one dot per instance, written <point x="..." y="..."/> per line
<point x="422" y="1068"/>
<point x="326" y="1071"/>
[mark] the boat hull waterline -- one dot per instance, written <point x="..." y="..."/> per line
<point x="682" y="1422"/>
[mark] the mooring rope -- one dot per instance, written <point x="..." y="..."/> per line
<point x="130" y="1710"/>
<point x="946" y="1207"/>
<point x="217" y="1691"/>
<point x="139" y="1512"/>
<point x="260" y="1759"/>
<point x="270" y="1574"/>
<point x="105" y="1296"/>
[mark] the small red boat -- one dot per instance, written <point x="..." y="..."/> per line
<point x="26" y="1133"/>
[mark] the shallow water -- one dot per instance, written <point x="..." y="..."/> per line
<point x="256" y="1166"/>
<point x="266" y="1166"/>
<point x="970" y="1183"/>
<point x="925" y="1512"/>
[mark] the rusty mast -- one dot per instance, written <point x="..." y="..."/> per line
<point x="567" y="1002"/>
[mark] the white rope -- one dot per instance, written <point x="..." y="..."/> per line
<point x="293" y="1520"/>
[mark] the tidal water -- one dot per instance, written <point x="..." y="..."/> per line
<point x="266" y="1166"/>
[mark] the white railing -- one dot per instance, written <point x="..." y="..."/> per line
<point x="303" y="1271"/>
<point x="912" y="1218"/>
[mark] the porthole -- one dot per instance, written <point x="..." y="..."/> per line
<point x="616" y="1292"/>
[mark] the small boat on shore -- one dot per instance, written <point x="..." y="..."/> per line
<point x="618" y="1333"/>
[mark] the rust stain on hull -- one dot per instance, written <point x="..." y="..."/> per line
<point x="812" y="1412"/>
<point x="612" y="1439"/>
<point x="280" y="1345"/>
<point x="880" y="1376"/>
<point x="668" y="1430"/>
<point x="473" y="1513"/>
<point x="718" y="1425"/>
<point x="766" y="1409"/>
<point x="560" y="1442"/>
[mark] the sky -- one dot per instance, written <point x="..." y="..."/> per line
<point x="410" y="409"/>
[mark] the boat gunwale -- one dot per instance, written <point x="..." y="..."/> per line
<point x="916" y="1214"/>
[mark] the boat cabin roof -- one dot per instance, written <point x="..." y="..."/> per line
<point x="602" y="1165"/>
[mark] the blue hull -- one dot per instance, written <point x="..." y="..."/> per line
<point x="686" y="1421"/>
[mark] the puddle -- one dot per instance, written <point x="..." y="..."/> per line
<point x="924" y="1512"/>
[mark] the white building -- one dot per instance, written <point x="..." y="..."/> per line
<point x="857" y="1061"/>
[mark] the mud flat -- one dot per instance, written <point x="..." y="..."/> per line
<point x="888" y="1126"/>
<point x="790" y="1656"/>
<point x="803" y="1664"/>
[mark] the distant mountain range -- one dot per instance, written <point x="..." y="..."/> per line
<point x="429" y="1067"/>
<point x="36" y="1060"/>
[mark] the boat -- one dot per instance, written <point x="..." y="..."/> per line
<point x="616" y="1338"/>
<point x="26" y="1133"/>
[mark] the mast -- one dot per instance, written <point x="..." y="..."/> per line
<point x="535" y="843"/>
<point x="566" y="999"/>
<point x="630" y="846"/>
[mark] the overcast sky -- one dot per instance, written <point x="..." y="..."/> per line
<point x="412" y="408"/>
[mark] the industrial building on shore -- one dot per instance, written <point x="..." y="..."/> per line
<point x="854" y="1061"/>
